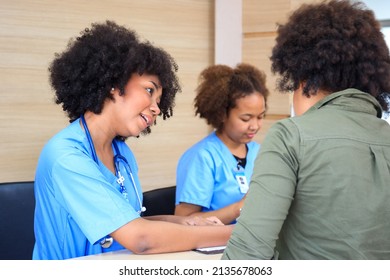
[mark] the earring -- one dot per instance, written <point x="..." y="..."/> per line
<point x="112" y="89"/>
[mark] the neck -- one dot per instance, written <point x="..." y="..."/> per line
<point x="98" y="129"/>
<point x="237" y="149"/>
<point x="101" y="139"/>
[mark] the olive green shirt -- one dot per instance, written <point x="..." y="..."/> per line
<point x="321" y="186"/>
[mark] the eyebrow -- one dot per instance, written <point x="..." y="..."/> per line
<point x="155" y="85"/>
<point x="247" y="114"/>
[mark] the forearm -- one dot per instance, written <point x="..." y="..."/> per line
<point x="143" y="236"/>
<point x="186" y="220"/>
<point x="183" y="238"/>
<point x="166" y="218"/>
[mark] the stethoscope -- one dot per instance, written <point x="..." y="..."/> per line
<point x="106" y="242"/>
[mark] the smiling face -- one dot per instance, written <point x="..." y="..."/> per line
<point x="137" y="108"/>
<point x="244" y="120"/>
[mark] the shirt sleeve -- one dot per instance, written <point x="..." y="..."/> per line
<point x="94" y="203"/>
<point x="195" y="178"/>
<point x="270" y="195"/>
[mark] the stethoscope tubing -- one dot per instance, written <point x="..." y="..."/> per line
<point x="117" y="159"/>
<point x="107" y="241"/>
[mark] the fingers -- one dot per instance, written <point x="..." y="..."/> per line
<point x="215" y="221"/>
<point x="199" y="221"/>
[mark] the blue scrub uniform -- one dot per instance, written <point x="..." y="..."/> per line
<point x="78" y="201"/>
<point x="207" y="174"/>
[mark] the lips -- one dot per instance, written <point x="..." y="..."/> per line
<point x="147" y="119"/>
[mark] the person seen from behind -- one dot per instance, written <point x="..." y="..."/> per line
<point x="321" y="184"/>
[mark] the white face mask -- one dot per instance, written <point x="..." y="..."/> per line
<point x="292" y="113"/>
<point x="386" y="117"/>
<point x="291" y="95"/>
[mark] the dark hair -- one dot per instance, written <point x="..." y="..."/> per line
<point x="103" y="57"/>
<point x="333" y="45"/>
<point x="220" y="86"/>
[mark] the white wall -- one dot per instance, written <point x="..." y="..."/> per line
<point x="228" y="32"/>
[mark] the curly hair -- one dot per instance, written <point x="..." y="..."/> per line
<point x="103" y="57"/>
<point x="219" y="88"/>
<point x="332" y="46"/>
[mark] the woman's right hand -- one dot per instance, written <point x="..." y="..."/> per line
<point x="200" y="221"/>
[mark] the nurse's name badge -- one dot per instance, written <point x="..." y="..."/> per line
<point x="241" y="180"/>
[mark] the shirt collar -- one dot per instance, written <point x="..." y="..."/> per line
<point x="360" y="102"/>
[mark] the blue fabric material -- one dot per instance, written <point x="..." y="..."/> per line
<point x="78" y="201"/>
<point x="206" y="174"/>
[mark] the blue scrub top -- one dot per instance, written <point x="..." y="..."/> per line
<point x="78" y="201"/>
<point x="206" y="174"/>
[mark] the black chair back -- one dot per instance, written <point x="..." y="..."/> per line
<point x="17" y="203"/>
<point x="160" y="201"/>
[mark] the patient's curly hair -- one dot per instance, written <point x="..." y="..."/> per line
<point x="332" y="46"/>
<point x="220" y="86"/>
<point x="103" y="57"/>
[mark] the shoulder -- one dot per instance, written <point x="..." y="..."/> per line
<point x="289" y="124"/>
<point x="68" y="140"/>
<point x="203" y="153"/>
<point x="283" y="133"/>
<point x="207" y="145"/>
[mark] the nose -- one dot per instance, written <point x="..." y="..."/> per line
<point x="256" y="124"/>
<point x="155" y="109"/>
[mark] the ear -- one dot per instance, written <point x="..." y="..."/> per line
<point x="115" y="92"/>
<point x="225" y="117"/>
<point x="301" y="86"/>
